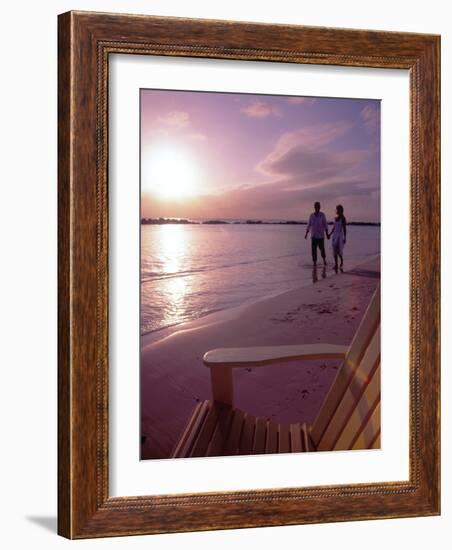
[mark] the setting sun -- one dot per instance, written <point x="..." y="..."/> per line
<point x="170" y="172"/>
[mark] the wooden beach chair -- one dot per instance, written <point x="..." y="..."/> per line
<point x="349" y="417"/>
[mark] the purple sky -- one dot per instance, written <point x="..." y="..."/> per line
<point x="258" y="156"/>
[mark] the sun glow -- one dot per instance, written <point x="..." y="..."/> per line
<point x="170" y="172"/>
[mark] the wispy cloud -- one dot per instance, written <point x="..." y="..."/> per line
<point x="308" y="164"/>
<point x="260" y="109"/>
<point x="302" y="153"/>
<point x="371" y="118"/>
<point x="175" y="119"/>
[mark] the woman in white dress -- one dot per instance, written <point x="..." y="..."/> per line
<point x="339" y="234"/>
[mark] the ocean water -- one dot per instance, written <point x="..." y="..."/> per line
<point x="189" y="271"/>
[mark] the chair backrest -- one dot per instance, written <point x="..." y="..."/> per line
<point x="350" y="415"/>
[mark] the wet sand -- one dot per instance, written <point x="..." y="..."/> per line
<point x="173" y="377"/>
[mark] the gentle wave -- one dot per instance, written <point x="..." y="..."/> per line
<point x="158" y="276"/>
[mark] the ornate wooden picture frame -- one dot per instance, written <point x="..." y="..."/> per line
<point x="86" y="40"/>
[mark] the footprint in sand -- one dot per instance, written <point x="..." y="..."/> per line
<point x="322" y="308"/>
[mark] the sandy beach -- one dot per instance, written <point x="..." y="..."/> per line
<point x="173" y="377"/>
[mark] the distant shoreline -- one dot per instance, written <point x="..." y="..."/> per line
<point x="184" y="221"/>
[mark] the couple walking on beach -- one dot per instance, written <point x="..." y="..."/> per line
<point x="318" y="226"/>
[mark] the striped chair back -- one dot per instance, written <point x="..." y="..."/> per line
<point x="350" y="415"/>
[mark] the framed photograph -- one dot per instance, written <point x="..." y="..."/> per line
<point x="249" y="263"/>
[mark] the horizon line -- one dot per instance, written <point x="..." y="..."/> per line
<point x="177" y="219"/>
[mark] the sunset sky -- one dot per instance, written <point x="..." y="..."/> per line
<point x="240" y="156"/>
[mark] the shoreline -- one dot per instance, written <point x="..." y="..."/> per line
<point x="233" y="312"/>
<point x="174" y="379"/>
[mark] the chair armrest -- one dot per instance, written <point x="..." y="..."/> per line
<point x="266" y="355"/>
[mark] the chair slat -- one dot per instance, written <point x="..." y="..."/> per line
<point x="205" y="433"/>
<point x="295" y="438"/>
<point x="271" y="442"/>
<point x="376" y="443"/>
<point x="246" y="440"/>
<point x="366" y="329"/>
<point x="221" y="432"/>
<point x="352" y="394"/>
<point x="283" y="439"/>
<point x="331" y="402"/>
<point x="187" y="431"/>
<point x="360" y="414"/>
<point x="235" y="431"/>
<point x="367" y="436"/>
<point x="259" y="436"/>
<point x="369" y="324"/>
<point x="307" y="443"/>
<point x="190" y="433"/>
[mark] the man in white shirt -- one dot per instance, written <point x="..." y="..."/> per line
<point x="318" y="226"/>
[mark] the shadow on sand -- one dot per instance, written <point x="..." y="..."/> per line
<point x="364" y="273"/>
<point x="315" y="273"/>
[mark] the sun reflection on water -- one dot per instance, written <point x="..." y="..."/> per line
<point x="173" y="247"/>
